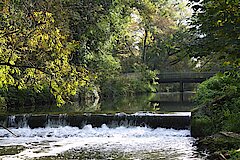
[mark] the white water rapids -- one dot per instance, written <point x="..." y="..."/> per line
<point x="129" y="142"/>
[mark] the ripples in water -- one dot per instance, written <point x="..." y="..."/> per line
<point x="100" y="143"/>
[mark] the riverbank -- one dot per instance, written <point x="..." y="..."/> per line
<point x="221" y="146"/>
<point x="216" y="120"/>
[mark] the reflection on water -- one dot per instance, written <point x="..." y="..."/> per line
<point x="128" y="104"/>
<point x="100" y="143"/>
<point x="174" y="96"/>
<point x="161" y="102"/>
<point x="173" y="102"/>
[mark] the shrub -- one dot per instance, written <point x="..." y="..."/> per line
<point x="219" y="101"/>
<point x="3" y="104"/>
<point x="128" y="84"/>
<point x="15" y="98"/>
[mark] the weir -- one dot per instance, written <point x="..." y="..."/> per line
<point x="98" y="136"/>
<point x="179" y="120"/>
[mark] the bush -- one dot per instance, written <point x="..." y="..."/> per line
<point x="219" y="103"/>
<point x="235" y="154"/>
<point x="3" y="104"/>
<point x="128" y="84"/>
<point x="201" y="126"/>
<point x="17" y="98"/>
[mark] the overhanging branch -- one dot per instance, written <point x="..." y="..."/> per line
<point x="179" y="59"/>
<point x="9" y="33"/>
<point x="23" y="66"/>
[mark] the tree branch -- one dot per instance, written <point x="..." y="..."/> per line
<point x="8" y="130"/>
<point x="9" y="33"/>
<point x="23" y="66"/>
<point x="173" y="62"/>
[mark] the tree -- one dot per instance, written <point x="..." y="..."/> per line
<point x="164" y="30"/>
<point x="33" y="51"/>
<point x="216" y="24"/>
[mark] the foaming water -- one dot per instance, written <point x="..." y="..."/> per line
<point x="100" y="143"/>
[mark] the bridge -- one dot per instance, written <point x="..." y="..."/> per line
<point x="183" y="77"/>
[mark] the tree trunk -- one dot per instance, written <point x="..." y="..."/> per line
<point x="144" y="47"/>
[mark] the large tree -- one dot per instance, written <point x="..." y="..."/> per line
<point x="34" y="51"/>
<point x="216" y="24"/>
<point x="164" y="34"/>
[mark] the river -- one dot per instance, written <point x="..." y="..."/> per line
<point x="119" y="142"/>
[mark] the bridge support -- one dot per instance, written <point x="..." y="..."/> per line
<point x="183" y="77"/>
<point x="181" y="86"/>
<point x="181" y="90"/>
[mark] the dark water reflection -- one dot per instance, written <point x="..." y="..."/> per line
<point x="156" y="102"/>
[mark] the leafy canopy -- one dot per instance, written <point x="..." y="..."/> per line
<point x="33" y="51"/>
<point x="217" y="25"/>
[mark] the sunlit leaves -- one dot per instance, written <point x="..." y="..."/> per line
<point x="161" y="23"/>
<point x="34" y="52"/>
<point x="61" y="45"/>
<point x="5" y="77"/>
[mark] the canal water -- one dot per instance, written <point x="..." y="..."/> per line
<point x="119" y="142"/>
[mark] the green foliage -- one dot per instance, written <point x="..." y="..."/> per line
<point x="100" y="27"/>
<point x="210" y="89"/>
<point x="34" y="52"/>
<point x="220" y="144"/>
<point x="27" y="97"/>
<point x="165" y="35"/>
<point x="202" y="126"/>
<point x="170" y="50"/>
<point x="234" y="154"/>
<point x="231" y="115"/>
<point x="217" y="26"/>
<point x="3" y="104"/>
<point x="219" y="101"/>
<point x="217" y="87"/>
<point x="129" y="84"/>
<point x="62" y="47"/>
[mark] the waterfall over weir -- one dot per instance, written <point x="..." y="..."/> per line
<point x="121" y="136"/>
<point x="176" y="120"/>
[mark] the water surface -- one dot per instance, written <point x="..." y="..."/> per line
<point x="121" y="142"/>
<point x="99" y="143"/>
<point x="167" y="102"/>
